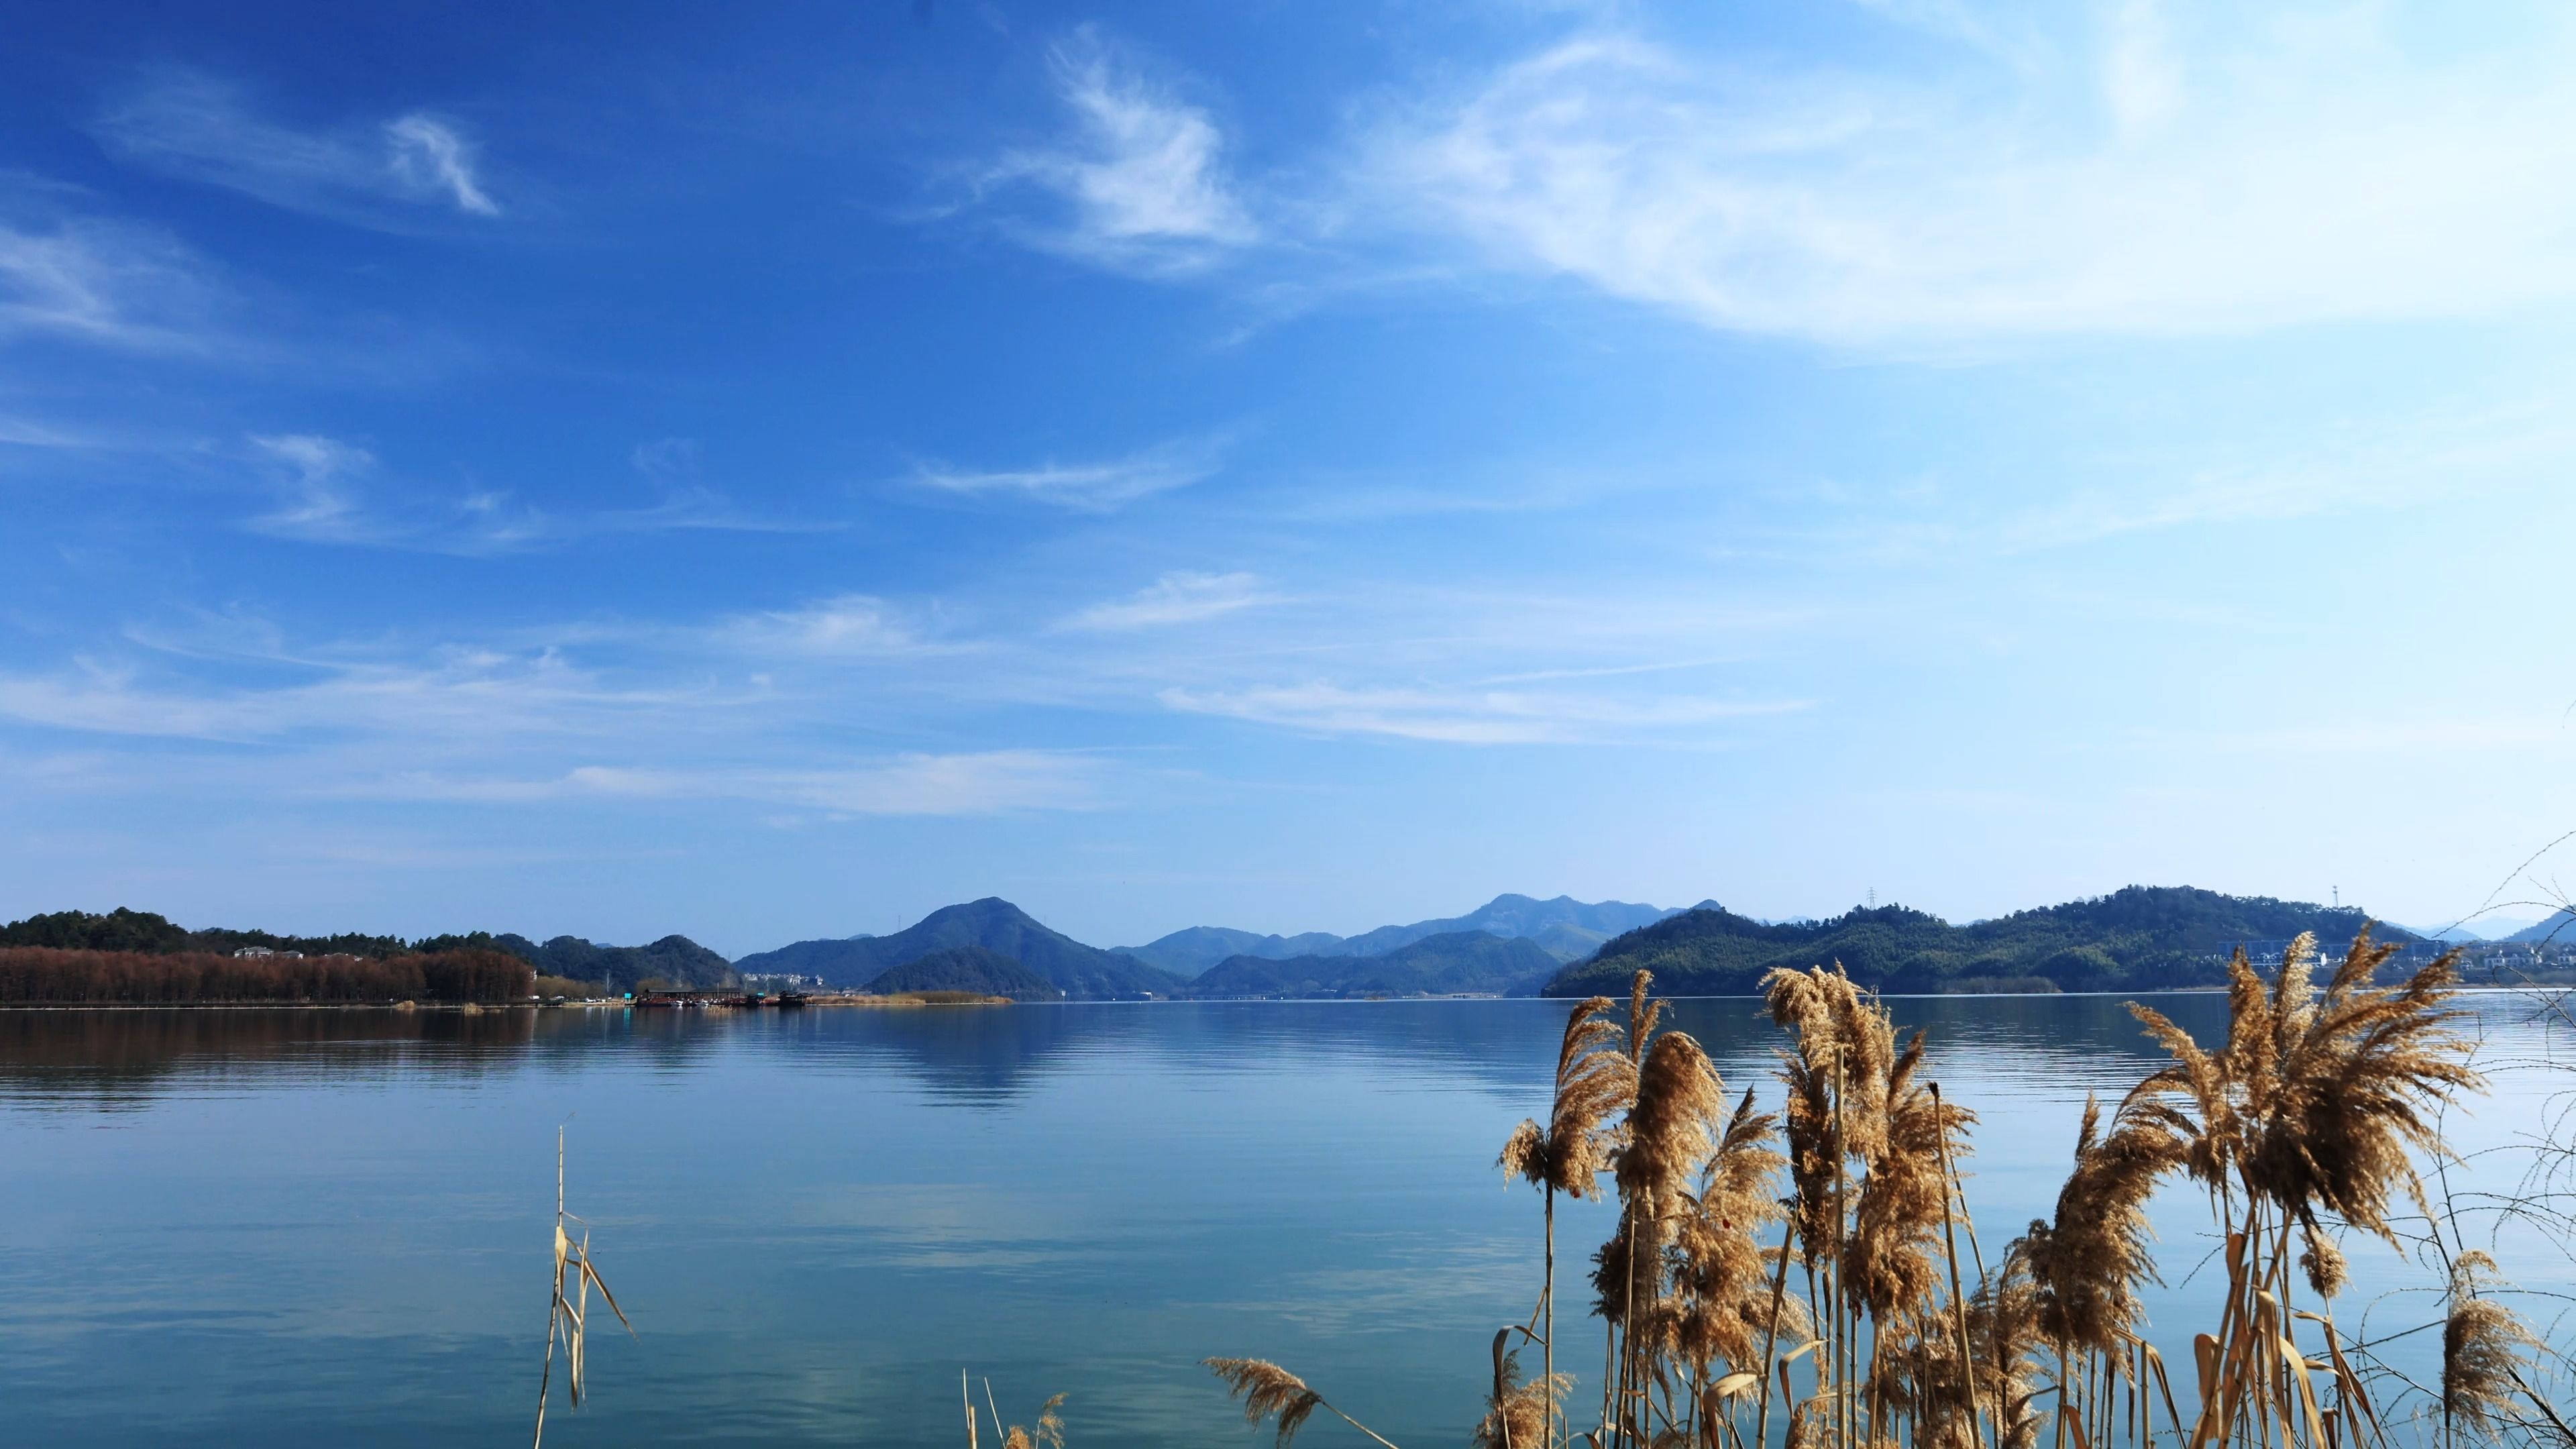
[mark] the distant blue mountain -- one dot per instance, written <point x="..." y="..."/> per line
<point x="1453" y="963"/>
<point x="1565" y="928"/>
<point x="1079" y="971"/>
<point x="2560" y="926"/>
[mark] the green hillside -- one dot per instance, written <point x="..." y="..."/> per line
<point x="2140" y="938"/>
<point x="1453" y="963"/>
<point x="1083" y="973"/>
<point x="672" y="961"/>
<point x="966" y="968"/>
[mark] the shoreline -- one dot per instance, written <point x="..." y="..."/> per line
<point x="479" y="1008"/>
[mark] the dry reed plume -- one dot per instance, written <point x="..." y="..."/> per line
<point x="1594" y="1081"/>
<point x="1271" y="1392"/>
<point x="1049" y="1433"/>
<point x="1518" y="1414"/>
<point x="2483" y="1349"/>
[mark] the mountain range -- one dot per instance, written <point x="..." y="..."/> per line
<point x="1565" y="928"/>
<point x="1452" y="963"/>
<point x="2138" y="938"/>
<point x="2557" y="928"/>
<point x="1079" y="971"/>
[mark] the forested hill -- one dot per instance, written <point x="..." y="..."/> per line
<point x="1454" y="963"/>
<point x="966" y="968"/>
<point x="673" y="960"/>
<point x="1079" y="971"/>
<point x="2140" y="938"/>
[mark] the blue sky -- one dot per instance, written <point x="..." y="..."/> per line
<point x="765" y="472"/>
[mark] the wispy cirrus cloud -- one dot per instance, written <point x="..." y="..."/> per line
<point x="637" y="715"/>
<point x="320" y="477"/>
<point x="688" y="503"/>
<point x="841" y="627"/>
<point x="100" y="281"/>
<point x="188" y="124"/>
<point x="451" y="690"/>
<point x="1138" y="181"/>
<point x="335" y="492"/>
<point x="1182" y="597"/>
<point x="1467" y="716"/>
<point x="2223" y="170"/>
<point x="989" y="782"/>
<point x="1092" y="487"/>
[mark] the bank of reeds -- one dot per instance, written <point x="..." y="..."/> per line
<point x="1812" y="1276"/>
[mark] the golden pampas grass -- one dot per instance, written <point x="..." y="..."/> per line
<point x="2322" y="1261"/>
<point x="1523" y="1415"/>
<point x="1268" y="1392"/>
<point x="1667" y="1139"/>
<point x="2088" y="1264"/>
<point x="1643" y="1013"/>
<point x="2003" y="1327"/>
<point x="2483" y="1348"/>
<point x="1891" y="1261"/>
<point x="1796" y="1002"/>
<point x="2316" y="1101"/>
<point x="1271" y="1392"/>
<point x="1679" y="1098"/>
<point x="1722" y="1276"/>
<point x="1049" y="1433"/>
<point x="1594" y="1082"/>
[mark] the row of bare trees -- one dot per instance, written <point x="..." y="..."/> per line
<point x="39" y="976"/>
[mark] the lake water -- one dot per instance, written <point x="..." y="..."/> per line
<point x="330" y="1228"/>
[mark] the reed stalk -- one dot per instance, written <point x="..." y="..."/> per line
<point x="567" y="1318"/>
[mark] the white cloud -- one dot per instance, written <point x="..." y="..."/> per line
<point x="102" y="282"/>
<point x="980" y="783"/>
<point x="321" y="505"/>
<point x="987" y="782"/>
<point x="2215" y="170"/>
<point x="428" y="155"/>
<point x="329" y="484"/>
<point x="849" y="625"/>
<point x="1141" y="180"/>
<point x="1094" y="487"/>
<point x="688" y="503"/>
<point x="476" y="723"/>
<point x="1175" y="598"/>
<point x="188" y="124"/>
<point x="455" y="693"/>
<point x="1474" y="717"/>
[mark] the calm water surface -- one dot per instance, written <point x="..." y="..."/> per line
<point x="325" y="1228"/>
